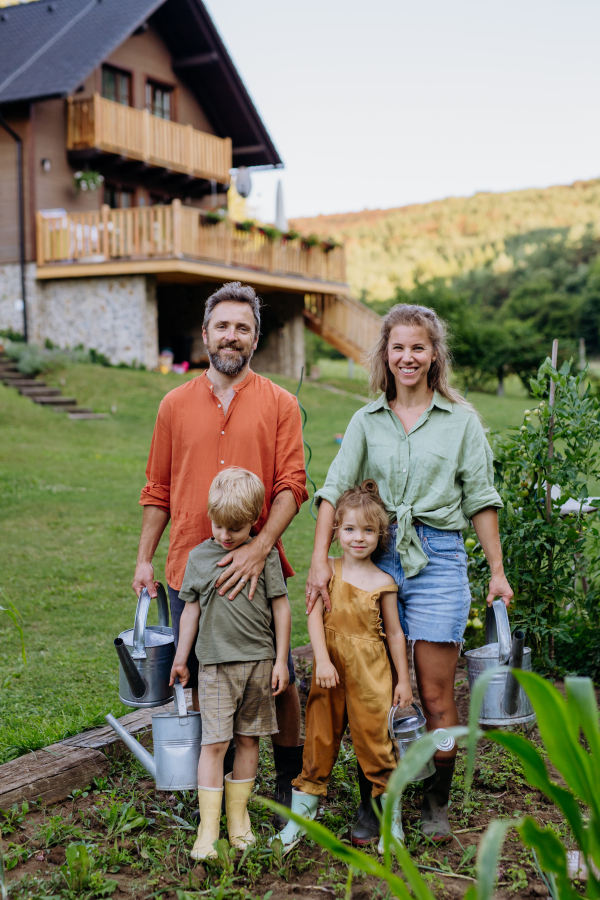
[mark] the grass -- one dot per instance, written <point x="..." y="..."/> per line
<point x="69" y="531"/>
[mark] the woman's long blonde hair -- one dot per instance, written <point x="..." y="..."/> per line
<point x="438" y="377"/>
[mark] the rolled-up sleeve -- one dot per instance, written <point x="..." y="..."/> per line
<point x="346" y="469"/>
<point x="476" y="471"/>
<point x="290" y="471"/>
<point x="157" y="490"/>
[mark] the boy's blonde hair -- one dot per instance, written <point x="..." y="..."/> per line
<point x="366" y="499"/>
<point x="235" y="498"/>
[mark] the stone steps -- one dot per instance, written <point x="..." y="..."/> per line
<point x="55" y="401"/>
<point x="41" y="391"/>
<point x="44" y="395"/>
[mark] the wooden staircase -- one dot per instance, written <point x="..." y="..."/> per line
<point x="349" y="326"/>
<point x="38" y="391"/>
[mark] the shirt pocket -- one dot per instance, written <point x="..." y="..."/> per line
<point x="431" y="477"/>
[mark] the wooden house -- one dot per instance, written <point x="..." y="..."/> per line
<point x="144" y="94"/>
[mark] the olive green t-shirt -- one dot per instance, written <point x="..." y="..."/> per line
<point x="231" y="630"/>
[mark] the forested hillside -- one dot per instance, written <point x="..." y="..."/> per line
<point x="392" y="248"/>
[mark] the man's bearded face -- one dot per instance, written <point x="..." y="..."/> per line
<point x="229" y="357"/>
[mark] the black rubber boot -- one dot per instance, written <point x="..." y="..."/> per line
<point x="288" y="765"/>
<point x="366" y="828"/>
<point x="228" y="762"/>
<point x="436" y="796"/>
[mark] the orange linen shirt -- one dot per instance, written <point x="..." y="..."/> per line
<point x="194" y="440"/>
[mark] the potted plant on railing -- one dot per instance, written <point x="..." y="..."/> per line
<point x="311" y="240"/>
<point x="87" y="180"/>
<point x="214" y="216"/>
<point x="291" y="235"/>
<point x="270" y="232"/>
<point x="248" y="225"/>
<point x="329" y="244"/>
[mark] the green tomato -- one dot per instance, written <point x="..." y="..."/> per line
<point x="477" y="623"/>
<point x="470" y="543"/>
<point x="469" y="624"/>
<point x="527" y="412"/>
<point x="523" y="427"/>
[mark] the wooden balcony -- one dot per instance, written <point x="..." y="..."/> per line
<point x="110" y="127"/>
<point x="144" y="239"/>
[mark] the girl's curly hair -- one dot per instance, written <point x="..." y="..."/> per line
<point x="364" y="498"/>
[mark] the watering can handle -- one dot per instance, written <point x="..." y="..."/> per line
<point x="141" y="616"/>
<point x="391" y="717"/>
<point x="503" y="629"/>
<point x="179" y="699"/>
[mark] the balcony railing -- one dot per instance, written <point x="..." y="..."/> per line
<point x="176" y="231"/>
<point x="136" y="134"/>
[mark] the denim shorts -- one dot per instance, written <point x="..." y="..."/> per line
<point x="177" y="607"/>
<point x="434" y="604"/>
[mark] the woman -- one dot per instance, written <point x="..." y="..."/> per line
<point x="425" y="447"/>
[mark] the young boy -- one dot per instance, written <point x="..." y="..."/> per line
<point x="237" y="681"/>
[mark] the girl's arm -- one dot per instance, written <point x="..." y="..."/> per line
<point x="325" y="672"/>
<point x="485" y="523"/>
<point x="282" y="620"/>
<point x="403" y="694"/>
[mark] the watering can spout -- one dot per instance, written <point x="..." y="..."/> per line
<point x="146" y="759"/>
<point x="135" y="681"/>
<point x="510" y="700"/>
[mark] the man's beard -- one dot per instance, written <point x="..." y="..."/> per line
<point x="229" y="365"/>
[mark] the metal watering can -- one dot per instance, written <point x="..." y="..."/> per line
<point x="146" y="654"/>
<point x="177" y="737"/>
<point x="405" y="730"/>
<point x="505" y="701"/>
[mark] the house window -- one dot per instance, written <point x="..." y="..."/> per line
<point x="159" y="100"/>
<point x="117" y="198"/>
<point x="116" y="85"/>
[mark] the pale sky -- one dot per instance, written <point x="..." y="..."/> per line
<point x="388" y="102"/>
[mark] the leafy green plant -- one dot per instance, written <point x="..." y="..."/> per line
<point x="270" y="232"/>
<point x="121" y="818"/>
<point x="12" y="819"/>
<point x="55" y="831"/>
<point x="82" y="880"/>
<point x="544" y="551"/>
<point x="87" y="180"/>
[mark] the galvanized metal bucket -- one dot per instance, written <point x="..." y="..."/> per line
<point x="146" y="654"/>
<point x="505" y="701"/>
<point x="404" y="730"/>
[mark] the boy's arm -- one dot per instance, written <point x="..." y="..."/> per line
<point x="282" y="620"/>
<point x="397" y="645"/>
<point x="188" y="625"/>
<point x="325" y="672"/>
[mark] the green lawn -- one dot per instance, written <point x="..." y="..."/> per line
<point x="69" y="530"/>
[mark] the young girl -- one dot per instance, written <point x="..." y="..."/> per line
<point x="352" y="676"/>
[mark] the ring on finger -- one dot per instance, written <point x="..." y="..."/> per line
<point x="242" y="581"/>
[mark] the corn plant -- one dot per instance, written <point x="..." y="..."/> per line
<point x="561" y="722"/>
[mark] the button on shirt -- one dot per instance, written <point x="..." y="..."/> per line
<point x="441" y="473"/>
<point x="194" y="440"/>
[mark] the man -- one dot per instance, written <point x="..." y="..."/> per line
<point x="228" y="416"/>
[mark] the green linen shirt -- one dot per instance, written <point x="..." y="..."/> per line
<point x="441" y="473"/>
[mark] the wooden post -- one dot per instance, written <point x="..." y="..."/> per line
<point x="146" y="135"/>
<point x="549" y="468"/>
<point x="104" y="212"/>
<point x="190" y="149"/>
<point x="176" y="213"/>
<point x="39" y="238"/>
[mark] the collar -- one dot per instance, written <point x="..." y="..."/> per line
<point x="236" y="387"/>
<point x="438" y="400"/>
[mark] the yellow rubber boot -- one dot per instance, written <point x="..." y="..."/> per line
<point x="209" y="803"/>
<point x="237" y="794"/>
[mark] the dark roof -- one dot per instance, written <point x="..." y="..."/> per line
<point x="49" y="48"/>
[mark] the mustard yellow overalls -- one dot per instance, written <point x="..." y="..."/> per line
<point x="362" y="699"/>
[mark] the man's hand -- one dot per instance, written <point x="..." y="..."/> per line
<point x="280" y="678"/>
<point x="179" y="670"/>
<point x="403" y="695"/>
<point x="326" y="675"/>
<point x="499" y="587"/>
<point x="317" y="585"/>
<point x="245" y="564"/>
<point x="144" y="578"/>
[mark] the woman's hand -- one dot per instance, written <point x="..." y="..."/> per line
<point x="403" y="695"/>
<point x="326" y="675"/>
<point x="317" y="584"/>
<point x="499" y="587"/>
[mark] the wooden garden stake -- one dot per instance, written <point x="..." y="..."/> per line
<point x="549" y="467"/>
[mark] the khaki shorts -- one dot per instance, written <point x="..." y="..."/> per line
<point x="236" y="698"/>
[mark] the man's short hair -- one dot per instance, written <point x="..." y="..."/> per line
<point x="236" y="292"/>
<point x="235" y="498"/>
